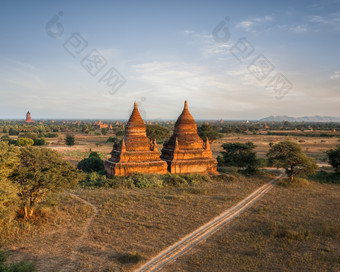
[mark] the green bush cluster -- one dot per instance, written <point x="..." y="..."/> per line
<point x="143" y="181"/>
<point x="15" y="267"/>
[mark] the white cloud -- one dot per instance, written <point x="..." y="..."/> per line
<point x="298" y="29"/>
<point x="336" y="75"/>
<point x="251" y="23"/>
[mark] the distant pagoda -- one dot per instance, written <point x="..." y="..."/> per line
<point x="28" y="118"/>
<point x="135" y="153"/>
<point x="185" y="152"/>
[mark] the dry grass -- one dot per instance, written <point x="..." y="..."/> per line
<point x="313" y="146"/>
<point x="132" y="225"/>
<point x="292" y="229"/>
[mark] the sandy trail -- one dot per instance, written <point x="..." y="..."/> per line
<point x="171" y="253"/>
<point x="70" y="266"/>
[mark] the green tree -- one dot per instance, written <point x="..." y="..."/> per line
<point x="39" y="141"/>
<point x="334" y="158"/>
<point x="241" y="155"/>
<point x="91" y="164"/>
<point x="12" y="131"/>
<point x="289" y="155"/>
<point x="70" y="140"/>
<point x="25" y="142"/>
<point x="157" y="132"/>
<point x="207" y="131"/>
<point x="41" y="171"/>
<point x="104" y="131"/>
<point x="9" y="160"/>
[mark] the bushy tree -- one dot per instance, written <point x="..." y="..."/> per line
<point x="12" y="131"/>
<point x="334" y="158"/>
<point x="112" y="140"/>
<point x="241" y="155"/>
<point x="70" y="140"/>
<point x="41" y="171"/>
<point x="91" y="164"/>
<point x="104" y="131"/>
<point x="289" y="155"/>
<point x="207" y="131"/>
<point x="9" y="160"/>
<point x="39" y="141"/>
<point x="157" y="132"/>
<point x="25" y="142"/>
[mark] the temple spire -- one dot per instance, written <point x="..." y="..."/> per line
<point x="123" y="146"/>
<point x="185" y="105"/>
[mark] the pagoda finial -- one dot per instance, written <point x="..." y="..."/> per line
<point x="176" y="145"/>
<point x="123" y="146"/>
<point x="135" y="105"/>
<point x="155" y="147"/>
<point x="207" y="144"/>
<point x="185" y="105"/>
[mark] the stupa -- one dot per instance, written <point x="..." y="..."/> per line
<point x="135" y="153"/>
<point x="185" y="152"/>
<point x="28" y="118"/>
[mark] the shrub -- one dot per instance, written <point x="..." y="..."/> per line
<point x="145" y="181"/>
<point x="39" y="141"/>
<point x="12" y="131"/>
<point x="51" y="135"/>
<point x="94" y="179"/>
<point x="70" y="140"/>
<point x="112" y="140"/>
<point x="25" y="142"/>
<point x="334" y="158"/>
<point x="15" y="267"/>
<point x="91" y="164"/>
<point x="174" y="180"/>
<point x="120" y="133"/>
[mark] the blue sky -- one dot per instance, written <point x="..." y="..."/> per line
<point x="167" y="53"/>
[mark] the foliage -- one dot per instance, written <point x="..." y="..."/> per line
<point x="9" y="160"/>
<point x="39" y="141"/>
<point x="120" y="133"/>
<point x="94" y="179"/>
<point x="104" y="131"/>
<point x="334" y="158"/>
<point x="41" y="171"/>
<point x="25" y="142"/>
<point x="15" y="267"/>
<point x="289" y="155"/>
<point x="157" y="132"/>
<point x="240" y="155"/>
<point x="91" y="164"/>
<point x="207" y="131"/>
<point x="112" y="140"/>
<point x="12" y="131"/>
<point x="70" y="140"/>
<point x="324" y="177"/>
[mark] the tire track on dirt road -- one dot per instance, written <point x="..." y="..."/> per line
<point x="69" y="267"/>
<point x="171" y="253"/>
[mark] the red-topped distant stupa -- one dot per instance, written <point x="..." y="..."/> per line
<point x="136" y="153"/>
<point x="185" y="152"/>
<point x="28" y="118"/>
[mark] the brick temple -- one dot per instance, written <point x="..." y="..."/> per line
<point x="28" y="118"/>
<point x="185" y="152"/>
<point x="136" y="153"/>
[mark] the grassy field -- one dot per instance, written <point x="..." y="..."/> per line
<point x="312" y="146"/>
<point x="291" y="229"/>
<point x="132" y="225"/>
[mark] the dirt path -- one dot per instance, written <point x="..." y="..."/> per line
<point x="70" y="266"/>
<point x="188" y="242"/>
